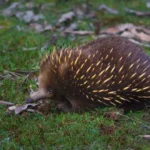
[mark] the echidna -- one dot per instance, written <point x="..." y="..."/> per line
<point x="106" y="71"/>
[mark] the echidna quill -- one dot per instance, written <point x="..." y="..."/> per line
<point x="108" y="71"/>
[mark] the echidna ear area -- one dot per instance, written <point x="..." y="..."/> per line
<point x="87" y="77"/>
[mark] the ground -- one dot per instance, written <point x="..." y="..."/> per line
<point x="22" y="50"/>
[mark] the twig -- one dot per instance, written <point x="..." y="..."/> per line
<point x="109" y="10"/>
<point x="29" y="49"/>
<point x="80" y="32"/>
<point x="15" y="74"/>
<point x="141" y="44"/>
<point x="137" y="13"/>
<point x="23" y="82"/>
<point x="137" y="121"/>
<point x="12" y="73"/>
<point x="25" y="72"/>
<point x="6" y="103"/>
<point x="51" y="41"/>
<point x="32" y="110"/>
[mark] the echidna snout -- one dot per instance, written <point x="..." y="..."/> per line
<point x="107" y="71"/>
<point x="40" y="94"/>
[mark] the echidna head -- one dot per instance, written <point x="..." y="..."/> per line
<point x="53" y="70"/>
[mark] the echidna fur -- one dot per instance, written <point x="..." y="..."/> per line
<point x="107" y="71"/>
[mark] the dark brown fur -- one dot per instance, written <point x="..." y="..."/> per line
<point x="119" y="74"/>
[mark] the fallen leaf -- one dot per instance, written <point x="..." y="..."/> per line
<point x="38" y="17"/>
<point x="83" y="10"/>
<point x="40" y="27"/>
<point x="109" y="10"/>
<point x="72" y="27"/>
<point x="147" y="137"/>
<point x="137" y="13"/>
<point x="40" y="107"/>
<point x="148" y="4"/>
<point x="65" y="17"/>
<point x="17" y="9"/>
<point x="80" y="10"/>
<point x="17" y="109"/>
<point x="125" y="26"/>
<point x="20" y="108"/>
<point x="138" y="42"/>
<point x="12" y="108"/>
<point x="118" y="28"/>
<point x="128" y="34"/>
<point x="130" y="31"/>
<point x="11" y="9"/>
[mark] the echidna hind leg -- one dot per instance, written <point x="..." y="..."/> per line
<point x="67" y="105"/>
<point x="64" y="106"/>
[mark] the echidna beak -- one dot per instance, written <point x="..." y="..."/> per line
<point x="40" y="94"/>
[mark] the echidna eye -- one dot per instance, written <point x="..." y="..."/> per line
<point x="51" y="91"/>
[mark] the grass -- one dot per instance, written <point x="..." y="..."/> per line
<point x="88" y="130"/>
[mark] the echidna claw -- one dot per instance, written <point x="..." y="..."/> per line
<point x="29" y="100"/>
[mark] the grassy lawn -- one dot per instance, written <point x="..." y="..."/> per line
<point x="21" y="50"/>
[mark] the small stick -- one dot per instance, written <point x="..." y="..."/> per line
<point x="6" y="103"/>
<point x="32" y="110"/>
<point x="143" y="125"/>
<point x="23" y="82"/>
